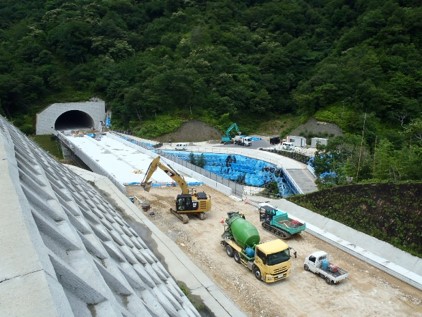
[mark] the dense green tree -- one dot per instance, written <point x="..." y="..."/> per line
<point x="413" y="132"/>
<point x="227" y="60"/>
<point x="386" y="163"/>
<point x="345" y="158"/>
<point x="71" y="40"/>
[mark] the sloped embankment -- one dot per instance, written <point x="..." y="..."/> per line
<point x="389" y="212"/>
<point x="192" y="131"/>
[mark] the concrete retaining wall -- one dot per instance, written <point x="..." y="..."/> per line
<point x="380" y="254"/>
<point x="47" y="118"/>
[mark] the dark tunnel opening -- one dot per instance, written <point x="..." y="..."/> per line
<point x="74" y="119"/>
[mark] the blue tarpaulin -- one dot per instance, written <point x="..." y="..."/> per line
<point x="108" y="121"/>
<point x="240" y="169"/>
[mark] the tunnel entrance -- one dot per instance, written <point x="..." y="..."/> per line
<point x="74" y="119"/>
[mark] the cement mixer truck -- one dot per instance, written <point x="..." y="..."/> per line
<point x="269" y="261"/>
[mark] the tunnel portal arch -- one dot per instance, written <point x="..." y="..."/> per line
<point x="74" y="119"/>
<point x="70" y="115"/>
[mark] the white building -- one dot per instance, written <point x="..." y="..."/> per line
<point x="296" y="140"/>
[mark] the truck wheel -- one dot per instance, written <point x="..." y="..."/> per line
<point x="229" y="251"/>
<point x="257" y="273"/>
<point x="202" y="216"/>
<point x="236" y="256"/>
<point x="306" y="267"/>
<point x="328" y="280"/>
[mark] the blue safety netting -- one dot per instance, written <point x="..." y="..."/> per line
<point x="240" y="169"/>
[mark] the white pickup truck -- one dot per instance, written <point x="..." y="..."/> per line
<point x="319" y="264"/>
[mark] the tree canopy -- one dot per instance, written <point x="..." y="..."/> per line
<point x="223" y="58"/>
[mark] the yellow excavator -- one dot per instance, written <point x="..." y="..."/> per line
<point x="196" y="203"/>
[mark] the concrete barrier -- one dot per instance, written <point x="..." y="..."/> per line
<point x="380" y="254"/>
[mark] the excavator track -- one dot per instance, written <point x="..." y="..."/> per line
<point x="276" y="231"/>
<point x="183" y="217"/>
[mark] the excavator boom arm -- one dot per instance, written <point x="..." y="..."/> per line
<point x="233" y="126"/>
<point x="179" y="179"/>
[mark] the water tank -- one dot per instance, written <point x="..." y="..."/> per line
<point x="324" y="264"/>
<point x="249" y="252"/>
<point x="244" y="233"/>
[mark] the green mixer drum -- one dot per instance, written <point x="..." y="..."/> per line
<point x="244" y="233"/>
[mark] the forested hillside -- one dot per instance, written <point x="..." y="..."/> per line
<point x="355" y="63"/>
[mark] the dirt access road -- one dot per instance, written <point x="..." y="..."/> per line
<point x="367" y="292"/>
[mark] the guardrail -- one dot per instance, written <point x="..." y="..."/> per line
<point x="258" y="155"/>
<point x="236" y="189"/>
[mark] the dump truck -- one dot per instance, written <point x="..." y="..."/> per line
<point x="278" y="222"/>
<point x="318" y="263"/>
<point x="269" y="261"/>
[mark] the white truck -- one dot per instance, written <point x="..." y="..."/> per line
<point x="287" y="146"/>
<point x="181" y="146"/>
<point x="242" y="140"/>
<point x="319" y="264"/>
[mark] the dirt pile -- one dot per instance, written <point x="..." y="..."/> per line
<point x="316" y="128"/>
<point x="192" y="131"/>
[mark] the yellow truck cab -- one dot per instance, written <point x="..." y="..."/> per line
<point x="272" y="261"/>
<point x="269" y="261"/>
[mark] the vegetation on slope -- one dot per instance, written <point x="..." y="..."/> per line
<point x="49" y="144"/>
<point x="222" y="57"/>
<point x="389" y="212"/>
<point x="353" y="63"/>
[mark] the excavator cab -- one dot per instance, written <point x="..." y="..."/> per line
<point x="184" y="202"/>
<point x="196" y="202"/>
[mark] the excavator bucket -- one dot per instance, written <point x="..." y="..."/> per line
<point x="146" y="186"/>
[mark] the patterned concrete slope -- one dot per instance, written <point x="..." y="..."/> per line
<point x="65" y="251"/>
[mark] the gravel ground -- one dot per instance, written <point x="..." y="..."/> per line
<point x="367" y="292"/>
